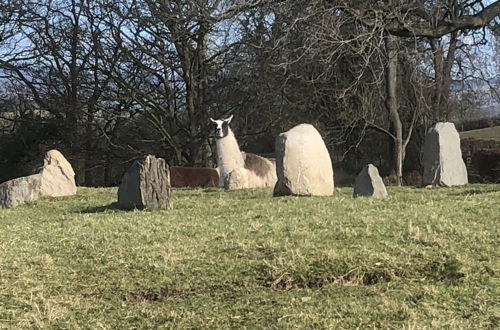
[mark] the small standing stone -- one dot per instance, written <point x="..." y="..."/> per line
<point x="369" y="183"/>
<point x="146" y="185"/>
<point x="443" y="162"/>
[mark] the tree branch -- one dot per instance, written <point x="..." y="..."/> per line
<point x="399" y="27"/>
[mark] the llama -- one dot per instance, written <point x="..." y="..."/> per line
<point x="239" y="169"/>
<point x="193" y="177"/>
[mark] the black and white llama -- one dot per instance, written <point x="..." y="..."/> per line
<point x="238" y="169"/>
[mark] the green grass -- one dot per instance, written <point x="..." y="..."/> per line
<point x="490" y="133"/>
<point x="243" y="259"/>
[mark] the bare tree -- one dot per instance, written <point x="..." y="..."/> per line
<point x="58" y="58"/>
<point x="112" y="80"/>
<point x="167" y="46"/>
<point x="382" y="34"/>
<point x="431" y="21"/>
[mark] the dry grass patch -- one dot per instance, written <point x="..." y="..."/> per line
<point x="419" y="259"/>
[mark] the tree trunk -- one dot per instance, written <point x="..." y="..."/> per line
<point x="195" y="77"/>
<point x="107" y="169"/>
<point x="443" y="64"/>
<point x="89" y="149"/>
<point x="391" y="103"/>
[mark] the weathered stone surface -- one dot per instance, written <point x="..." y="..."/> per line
<point x="57" y="176"/>
<point x="303" y="164"/>
<point x="443" y="163"/>
<point x="368" y="183"/>
<point x="145" y="185"/>
<point x="19" y="191"/>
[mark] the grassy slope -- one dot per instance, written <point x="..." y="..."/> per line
<point x="490" y="133"/>
<point x="421" y="258"/>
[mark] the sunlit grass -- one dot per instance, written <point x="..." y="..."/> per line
<point x="419" y="259"/>
<point x="490" y="133"/>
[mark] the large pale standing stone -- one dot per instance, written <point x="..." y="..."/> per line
<point x="58" y="177"/>
<point x="443" y="162"/>
<point x="303" y="164"/>
<point x="145" y="185"/>
<point x="368" y="183"/>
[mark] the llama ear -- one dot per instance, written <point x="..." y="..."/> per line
<point x="228" y="119"/>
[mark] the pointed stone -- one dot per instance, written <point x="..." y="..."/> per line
<point x="58" y="177"/>
<point x="368" y="183"/>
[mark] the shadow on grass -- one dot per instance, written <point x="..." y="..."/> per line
<point x="101" y="209"/>
<point x="476" y="191"/>
<point x="112" y="207"/>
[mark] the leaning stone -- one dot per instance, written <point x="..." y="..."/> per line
<point x="145" y="185"/>
<point x="19" y="191"/>
<point x="443" y="162"/>
<point x="57" y="176"/>
<point x="303" y="164"/>
<point x="368" y="183"/>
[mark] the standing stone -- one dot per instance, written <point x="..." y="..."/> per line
<point x="443" y="162"/>
<point x="368" y="183"/>
<point x="145" y="185"/>
<point x="57" y="176"/>
<point x="303" y="164"/>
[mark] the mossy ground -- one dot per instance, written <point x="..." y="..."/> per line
<point x="243" y="259"/>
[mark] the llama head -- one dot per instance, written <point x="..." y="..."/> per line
<point x="221" y="127"/>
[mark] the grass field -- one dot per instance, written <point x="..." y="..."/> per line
<point x="242" y="259"/>
<point x="490" y="133"/>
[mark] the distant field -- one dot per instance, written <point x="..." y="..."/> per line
<point x="490" y="133"/>
<point x="423" y="258"/>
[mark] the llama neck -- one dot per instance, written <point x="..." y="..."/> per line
<point x="228" y="152"/>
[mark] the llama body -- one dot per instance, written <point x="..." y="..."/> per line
<point x="228" y="156"/>
<point x="193" y="177"/>
<point x="238" y="169"/>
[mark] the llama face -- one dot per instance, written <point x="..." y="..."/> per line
<point x="221" y="127"/>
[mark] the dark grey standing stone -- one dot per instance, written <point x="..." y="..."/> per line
<point x="19" y="191"/>
<point x="146" y="185"/>
<point x="443" y="162"/>
<point x="369" y="183"/>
